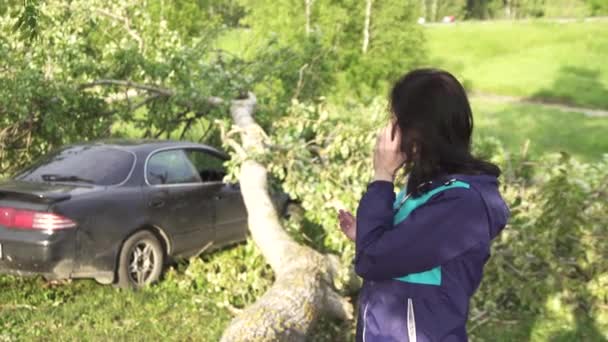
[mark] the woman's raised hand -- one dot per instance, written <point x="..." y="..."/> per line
<point x="348" y="224"/>
<point x="387" y="154"/>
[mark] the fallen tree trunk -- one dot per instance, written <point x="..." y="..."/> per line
<point x="304" y="288"/>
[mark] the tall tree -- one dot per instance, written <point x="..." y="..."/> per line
<point x="366" y="25"/>
<point x="423" y="9"/>
<point x="507" y="4"/>
<point x="308" y="4"/>
<point x="433" y="14"/>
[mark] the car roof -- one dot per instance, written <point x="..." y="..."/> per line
<point x="150" y="145"/>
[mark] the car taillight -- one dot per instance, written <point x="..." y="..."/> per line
<point x="28" y="219"/>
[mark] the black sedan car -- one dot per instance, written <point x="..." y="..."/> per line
<point x="117" y="211"/>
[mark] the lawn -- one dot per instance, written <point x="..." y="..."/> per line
<point x="190" y="304"/>
<point x="193" y="308"/>
<point x="563" y="62"/>
<point x="547" y="129"/>
<point x="83" y="310"/>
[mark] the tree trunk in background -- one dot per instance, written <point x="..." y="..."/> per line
<point x="507" y="9"/>
<point x="433" y="15"/>
<point x="308" y="4"/>
<point x="475" y="9"/>
<point x="423" y="9"/>
<point x="366" y="25"/>
<point x="304" y="288"/>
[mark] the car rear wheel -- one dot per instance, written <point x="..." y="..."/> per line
<point x="141" y="261"/>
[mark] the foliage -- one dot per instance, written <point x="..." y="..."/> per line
<point x="336" y="29"/>
<point x="44" y="103"/>
<point x="191" y="18"/>
<point x="598" y="7"/>
<point x="396" y="44"/>
<point x="552" y="257"/>
<point x="105" y="67"/>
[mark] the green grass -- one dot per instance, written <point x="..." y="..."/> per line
<point x="559" y="62"/>
<point x="539" y="328"/>
<point x="30" y="309"/>
<point x="190" y="304"/>
<point x="548" y="129"/>
<point x="84" y="310"/>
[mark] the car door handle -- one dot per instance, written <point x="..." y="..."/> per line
<point x="156" y="203"/>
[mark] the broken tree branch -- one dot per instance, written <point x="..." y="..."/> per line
<point x="304" y="289"/>
<point x="127" y="26"/>
<point x="128" y="84"/>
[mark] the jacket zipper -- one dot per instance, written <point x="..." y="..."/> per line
<point x="411" y="321"/>
<point x="364" y="320"/>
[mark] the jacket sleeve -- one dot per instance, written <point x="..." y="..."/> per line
<point x="450" y="223"/>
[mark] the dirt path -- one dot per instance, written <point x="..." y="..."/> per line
<point x="592" y="112"/>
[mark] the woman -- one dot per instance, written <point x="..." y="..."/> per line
<point x="421" y="253"/>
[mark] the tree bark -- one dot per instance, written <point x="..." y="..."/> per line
<point x="304" y="288"/>
<point x="366" y="24"/>
<point x="308" y="4"/>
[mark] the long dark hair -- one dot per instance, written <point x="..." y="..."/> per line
<point x="433" y="113"/>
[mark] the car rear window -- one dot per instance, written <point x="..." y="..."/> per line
<point x="101" y="165"/>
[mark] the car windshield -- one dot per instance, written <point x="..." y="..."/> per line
<point x="100" y="165"/>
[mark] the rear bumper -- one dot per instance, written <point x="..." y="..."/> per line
<point x="35" y="252"/>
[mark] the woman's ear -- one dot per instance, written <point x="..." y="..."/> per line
<point x="394" y="127"/>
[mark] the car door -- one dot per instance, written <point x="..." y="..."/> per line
<point x="231" y="215"/>
<point x="179" y="202"/>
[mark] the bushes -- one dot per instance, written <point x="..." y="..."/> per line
<point x="555" y="245"/>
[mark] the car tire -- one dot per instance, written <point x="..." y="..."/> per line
<point x="141" y="261"/>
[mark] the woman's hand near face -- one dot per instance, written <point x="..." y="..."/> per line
<point x="387" y="154"/>
<point x="348" y="224"/>
<point x="387" y="159"/>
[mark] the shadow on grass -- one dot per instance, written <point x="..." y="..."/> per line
<point x="584" y="329"/>
<point x="575" y="86"/>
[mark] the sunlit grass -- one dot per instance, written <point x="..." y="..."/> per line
<point x="547" y="129"/>
<point x="557" y="321"/>
<point x="549" y="60"/>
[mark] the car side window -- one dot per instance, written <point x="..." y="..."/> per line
<point x="171" y="167"/>
<point x="209" y="166"/>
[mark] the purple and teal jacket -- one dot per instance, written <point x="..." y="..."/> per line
<point x="422" y="258"/>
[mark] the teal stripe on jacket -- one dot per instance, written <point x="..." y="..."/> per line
<point x="433" y="276"/>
